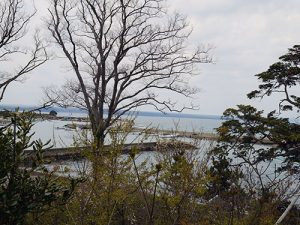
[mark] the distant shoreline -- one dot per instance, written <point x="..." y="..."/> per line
<point x="133" y="113"/>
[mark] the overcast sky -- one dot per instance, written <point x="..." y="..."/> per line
<point x="247" y="36"/>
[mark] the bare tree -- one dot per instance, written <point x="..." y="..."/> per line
<point x="13" y="28"/>
<point x="125" y="54"/>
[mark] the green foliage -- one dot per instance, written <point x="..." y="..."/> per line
<point x="249" y="177"/>
<point x="182" y="184"/>
<point x="247" y="126"/>
<point x="133" y="189"/>
<point x="26" y="186"/>
<point x="108" y="194"/>
<point x="257" y="158"/>
<point x="174" y="187"/>
<point x="246" y="130"/>
<point x="280" y="77"/>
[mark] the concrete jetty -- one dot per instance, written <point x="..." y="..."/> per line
<point x="192" y="134"/>
<point x="176" y="133"/>
<point x="74" y="153"/>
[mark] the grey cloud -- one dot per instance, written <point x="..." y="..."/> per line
<point x="248" y="36"/>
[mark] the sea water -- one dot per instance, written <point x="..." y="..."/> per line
<point x="55" y="131"/>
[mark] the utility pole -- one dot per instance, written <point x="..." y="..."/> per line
<point x="296" y="197"/>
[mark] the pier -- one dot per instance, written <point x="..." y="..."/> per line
<point x="176" y="134"/>
<point x="75" y="153"/>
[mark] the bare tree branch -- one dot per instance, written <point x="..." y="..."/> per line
<point x="123" y="53"/>
<point x="13" y="28"/>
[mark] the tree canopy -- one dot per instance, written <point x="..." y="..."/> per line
<point x="246" y="127"/>
<point x="257" y="151"/>
<point x="26" y="185"/>
<point x="281" y="77"/>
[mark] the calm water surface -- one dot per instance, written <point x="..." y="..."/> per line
<point x="53" y="129"/>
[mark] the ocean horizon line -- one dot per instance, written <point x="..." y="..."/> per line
<point x="71" y="110"/>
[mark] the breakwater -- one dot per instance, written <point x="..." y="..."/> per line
<point x="75" y="153"/>
<point x="176" y="134"/>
